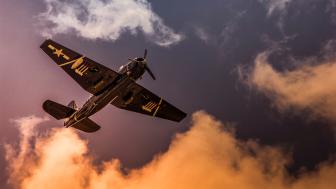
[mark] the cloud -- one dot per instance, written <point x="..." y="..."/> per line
<point x="274" y="5"/>
<point x="22" y="155"/>
<point x="277" y="8"/>
<point x="203" y="35"/>
<point x="309" y="87"/>
<point x="106" y="20"/>
<point x="207" y="156"/>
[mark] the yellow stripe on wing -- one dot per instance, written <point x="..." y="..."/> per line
<point x="158" y="107"/>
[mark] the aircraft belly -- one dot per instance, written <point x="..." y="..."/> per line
<point x="110" y="96"/>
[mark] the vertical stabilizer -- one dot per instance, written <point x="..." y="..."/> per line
<point x="72" y="105"/>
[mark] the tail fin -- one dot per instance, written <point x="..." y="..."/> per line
<point x="56" y="110"/>
<point x="87" y="125"/>
<point x="72" y="105"/>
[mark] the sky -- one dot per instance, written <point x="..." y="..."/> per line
<point x="256" y="77"/>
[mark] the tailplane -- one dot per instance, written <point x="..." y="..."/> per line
<point x="60" y="111"/>
<point x="57" y="110"/>
<point x="86" y="125"/>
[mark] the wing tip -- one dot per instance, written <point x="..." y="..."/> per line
<point x="180" y="117"/>
<point x="46" y="42"/>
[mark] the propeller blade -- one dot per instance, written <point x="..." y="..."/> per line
<point x="150" y="72"/>
<point x="145" y="54"/>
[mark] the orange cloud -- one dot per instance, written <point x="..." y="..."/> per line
<point x="308" y="87"/>
<point x="207" y="156"/>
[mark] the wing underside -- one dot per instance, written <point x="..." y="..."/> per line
<point x="90" y="75"/>
<point x="138" y="99"/>
<point x="86" y="125"/>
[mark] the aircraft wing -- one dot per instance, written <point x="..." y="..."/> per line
<point x="138" y="99"/>
<point x="90" y="75"/>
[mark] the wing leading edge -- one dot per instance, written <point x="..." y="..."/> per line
<point x="90" y="75"/>
<point x="138" y="99"/>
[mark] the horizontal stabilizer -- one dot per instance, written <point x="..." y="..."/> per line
<point x="56" y="110"/>
<point x="86" y="125"/>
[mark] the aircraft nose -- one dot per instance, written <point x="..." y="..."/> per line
<point x="140" y="59"/>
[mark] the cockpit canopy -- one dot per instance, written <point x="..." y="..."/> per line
<point x="136" y="67"/>
<point x="127" y="67"/>
<point x="140" y="59"/>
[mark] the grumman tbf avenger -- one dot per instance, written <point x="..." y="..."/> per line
<point x="107" y="87"/>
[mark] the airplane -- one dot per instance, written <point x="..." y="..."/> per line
<point x="107" y="87"/>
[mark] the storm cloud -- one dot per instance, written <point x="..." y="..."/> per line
<point x="207" y="156"/>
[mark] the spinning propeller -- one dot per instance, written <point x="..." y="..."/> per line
<point x="144" y="62"/>
<point x="146" y="66"/>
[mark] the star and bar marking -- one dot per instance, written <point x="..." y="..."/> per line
<point x="58" y="52"/>
<point x="77" y="64"/>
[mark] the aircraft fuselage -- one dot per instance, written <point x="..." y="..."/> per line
<point x="129" y="73"/>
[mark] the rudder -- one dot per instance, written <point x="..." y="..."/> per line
<point x="72" y="105"/>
